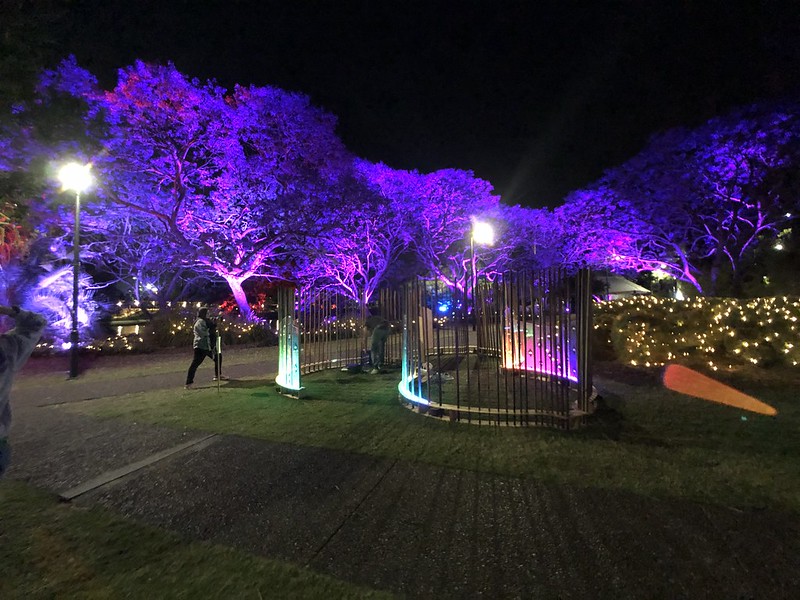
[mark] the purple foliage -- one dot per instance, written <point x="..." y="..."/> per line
<point x="255" y="183"/>
<point x="692" y="202"/>
<point x="357" y="239"/>
<point x="225" y="178"/>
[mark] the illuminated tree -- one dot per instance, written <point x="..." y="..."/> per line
<point x="527" y="239"/>
<point x="358" y="236"/>
<point x="638" y="217"/>
<point x="37" y="128"/>
<point x="692" y="203"/>
<point x="226" y="179"/>
<point x="128" y="253"/>
<point x="744" y="175"/>
<point x="441" y="208"/>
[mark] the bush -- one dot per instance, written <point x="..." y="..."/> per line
<point x="716" y="332"/>
<point x="169" y="330"/>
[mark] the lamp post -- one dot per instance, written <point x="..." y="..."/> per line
<point x="76" y="178"/>
<point x="482" y="233"/>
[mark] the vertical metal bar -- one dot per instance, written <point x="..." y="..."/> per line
<point x="518" y="318"/>
<point x="437" y="338"/>
<point x="538" y="337"/>
<point x="552" y="298"/>
<point x="525" y="289"/>
<point x="477" y="312"/>
<point x="516" y="376"/>
<point x="455" y="311"/>
<point x="564" y="290"/>
<point x="568" y="290"/>
<point x="464" y="335"/>
<point x="584" y="336"/>
<point x="502" y="312"/>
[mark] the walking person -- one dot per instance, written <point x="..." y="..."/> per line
<point x="15" y="348"/>
<point x="201" y="345"/>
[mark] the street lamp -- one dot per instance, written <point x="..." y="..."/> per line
<point x="483" y="234"/>
<point x="76" y="178"/>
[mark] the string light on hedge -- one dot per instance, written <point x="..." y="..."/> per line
<point x="639" y="328"/>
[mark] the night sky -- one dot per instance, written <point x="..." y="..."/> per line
<point x="536" y="97"/>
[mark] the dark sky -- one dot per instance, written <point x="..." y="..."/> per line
<point x="537" y="97"/>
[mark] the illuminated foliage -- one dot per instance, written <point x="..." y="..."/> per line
<point x="696" y="204"/>
<point x="225" y="178"/>
<point x="253" y="183"/>
<point x="713" y="332"/>
<point x="358" y="238"/>
<point x="440" y="208"/>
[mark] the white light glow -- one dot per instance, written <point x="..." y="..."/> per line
<point x="75" y="177"/>
<point x="482" y="233"/>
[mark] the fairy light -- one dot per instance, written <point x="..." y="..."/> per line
<point x="651" y="330"/>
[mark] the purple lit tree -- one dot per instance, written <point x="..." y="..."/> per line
<point x="636" y="218"/>
<point x="358" y="238"/>
<point x="130" y="255"/>
<point x="40" y="126"/>
<point x="284" y="158"/>
<point x="443" y="206"/>
<point x="744" y="176"/>
<point x="527" y="239"/>
<point x="692" y="202"/>
<point x="225" y="179"/>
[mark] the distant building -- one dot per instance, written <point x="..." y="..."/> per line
<point x="614" y="287"/>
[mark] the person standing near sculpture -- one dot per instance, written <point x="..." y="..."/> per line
<point x="15" y="348"/>
<point x="378" y="330"/>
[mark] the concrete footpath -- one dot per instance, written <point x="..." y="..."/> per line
<point x="412" y="529"/>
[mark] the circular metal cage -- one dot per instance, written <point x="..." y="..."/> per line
<point x="514" y="350"/>
<point x="511" y="351"/>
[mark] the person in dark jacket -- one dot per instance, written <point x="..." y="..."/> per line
<point x="201" y="345"/>
<point x="15" y="348"/>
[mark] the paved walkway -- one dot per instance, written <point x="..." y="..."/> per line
<point x="417" y="530"/>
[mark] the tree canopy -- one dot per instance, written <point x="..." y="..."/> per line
<point x="200" y="183"/>
<point x="697" y="204"/>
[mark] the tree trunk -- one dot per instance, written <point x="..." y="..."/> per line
<point x="168" y="292"/>
<point x="241" y="298"/>
<point x="362" y="306"/>
<point x="714" y="273"/>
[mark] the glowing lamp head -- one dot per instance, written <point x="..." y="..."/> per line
<point x="482" y="233"/>
<point x="75" y="177"/>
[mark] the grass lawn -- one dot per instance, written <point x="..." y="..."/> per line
<point x="648" y="440"/>
<point x="53" y="550"/>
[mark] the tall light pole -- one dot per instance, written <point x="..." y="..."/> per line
<point x="483" y="234"/>
<point x="76" y="178"/>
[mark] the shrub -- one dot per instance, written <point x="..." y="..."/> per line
<point x="172" y="329"/>
<point x="650" y="331"/>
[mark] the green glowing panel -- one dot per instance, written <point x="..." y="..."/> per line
<point x="288" y="354"/>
